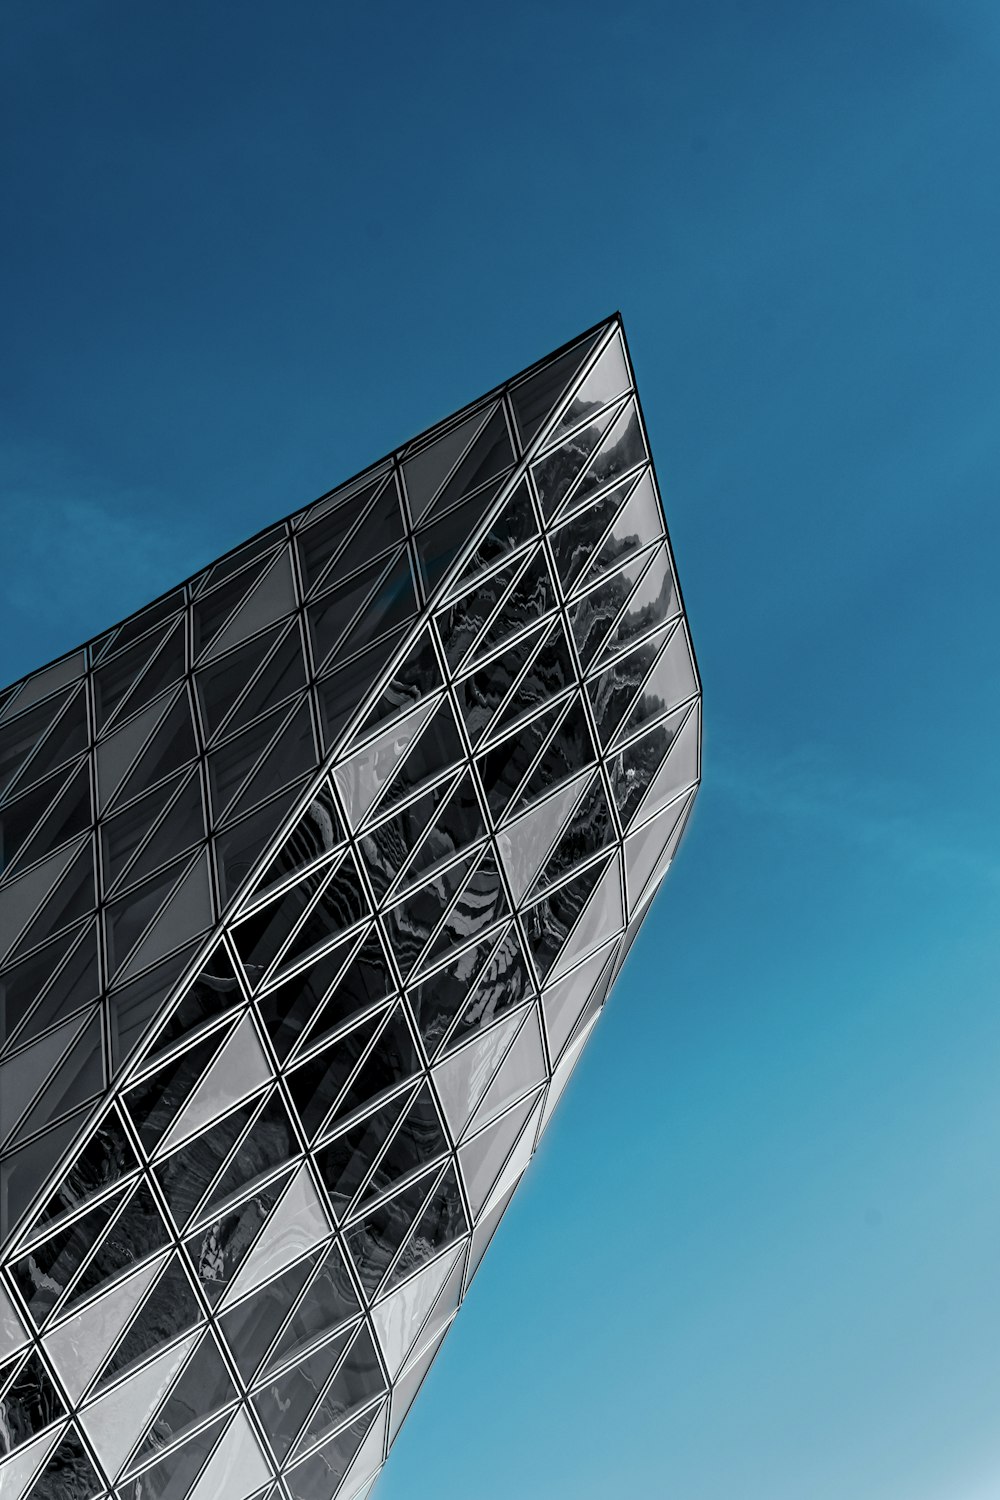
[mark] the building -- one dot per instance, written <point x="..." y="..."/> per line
<point x="314" y="878"/>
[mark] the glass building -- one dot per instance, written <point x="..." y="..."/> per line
<point x="314" y="878"/>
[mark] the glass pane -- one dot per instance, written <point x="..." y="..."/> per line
<point x="169" y="1309"/>
<point x="29" y="1404"/>
<point x="318" y="1476"/>
<point x="271" y="599"/>
<point x="593" y="615"/>
<point x="236" y="1468"/>
<point x="437" y="748"/>
<point x="283" y="676"/>
<point x="240" y="1069"/>
<point x="391" y="1062"/>
<point x="515" y="524"/>
<point x="345" y="1161"/>
<point x="80" y="1346"/>
<point x="410" y="923"/>
<point x="616" y="688"/>
<point x="215" y="990"/>
<point x="484" y="1156"/>
<point x="214" y="608"/>
<point x="342" y="903"/>
<point x="139" y="1231"/>
<point x="638" y="522"/>
<point x="426" y="471"/>
<point x="462" y="1079"/>
<point x="250" y="1327"/>
<point x="632" y="769"/>
<point x="413" y="678"/>
<point x="153" y="1103"/>
<point x="261" y="938"/>
<point x="330" y="617"/>
<point x="329" y="1301"/>
<point x="462" y="621"/>
<point x="285" y="1404"/>
<point x="36" y="823"/>
<point x="393" y="602"/>
<point x="459" y="823"/>
<point x="298" y="1223"/>
<point x="272" y="1140"/>
<point x="481" y="694"/>
<point x="590" y="829"/>
<point x="481" y="904"/>
<point x="418" y="1141"/>
<point x="361" y="777"/>
<point x="185" y="1176"/>
<point x="217" y="1250"/>
<point x="548" y="923"/>
<point x="523" y="1068"/>
<point x="320" y="541"/>
<point x="534" y="397"/>
<point x="489" y="456"/>
<point x="399" y="1317"/>
<point x="80" y="1076"/>
<point x="570" y="749"/>
<point x="608" y="377"/>
<point x="133" y="1006"/>
<point x="504" y="983"/>
<point x="503" y="767"/>
<point x="551" y="672"/>
<point x="563" y="1002"/>
<point x="680" y="769"/>
<point x="173" y="1476"/>
<point x="44" y="1273"/>
<point x="374" y="1241"/>
<point x="288" y="1009"/>
<point x="203" y="1387"/>
<point x="386" y="849"/>
<point x="556" y="474"/>
<point x="366" y="980"/>
<point x="531" y="597"/>
<point x="671" y="682"/>
<point x="525" y="844"/>
<point x="358" y="1381"/>
<point x="343" y="690"/>
<point x="653" y="602"/>
<point x="645" y="850"/>
<point x="435" y="1002"/>
<point x="69" y="1472"/>
<point x="114" y="1421"/>
<point x="317" y="832"/>
<point x="316" y="1084"/>
<point x="603" y="917"/>
<point x="442" y="1221"/>
<point x="21" y="984"/>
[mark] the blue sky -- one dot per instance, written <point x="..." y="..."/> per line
<point x="252" y="247"/>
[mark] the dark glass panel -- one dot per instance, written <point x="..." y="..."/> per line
<point x="410" y="923"/>
<point x="44" y="1273"/>
<point x="166" y="667"/>
<point x="547" y="925"/>
<point x="385" y="849"/>
<point x="331" y="615"/>
<point x="113" y="682"/>
<point x="392" y="603"/>
<point x="442" y="1221"/>
<point x="503" y="983"/>
<point x="592" y="616"/>
<point x="437" y="747"/>
<point x="534" y="398"/>
<point x="185" y="1176"/>
<point x="440" y="544"/>
<point x="127" y="918"/>
<point x="556" y="474"/>
<point x="459" y="823"/>
<point x="569" y="751"/>
<point x="288" y="1009"/>
<point x="220" y="683"/>
<point x="358" y="1381"/>
<point x="173" y="1478"/>
<point x="76" y="983"/>
<point x="153" y="1103"/>
<point x="172" y="746"/>
<point x="381" y="529"/>
<point x="639" y="521"/>
<point x="22" y="983"/>
<point x="591" y="828"/>
<point x="318" y="1476"/>
<point x="68" y="739"/>
<point x="284" y="1405"/>
<point x="436" y="1001"/>
<point x="122" y="834"/>
<point x="374" y="1240"/>
<point x="211" y="610"/>
<point x="138" y="624"/>
<point x="135" y="1234"/>
<point x="292" y="754"/>
<point x="320" y="542"/>
<point x="392" y="1060"/>
<point x="345" y="1161"/>
<point x="654" y="601"/>
<point x="68" y="815"/>
<point x="482" y="692"/>
<point x="134" y="1005"/>
<point x="217" y="1251"/>
<point x="78" y="1077"/>
<point x="30" y="1403"/>
<point x="531" y="597"/>
<point x="233" y="762"/>
<point x="330" y="1300"/>
<point x="503" y="767"/>
<point x="215" y="990"/>
<point x="574" y="544"/>
<point x="550" y="673"/>
<point x="240" y="557"/>
<point x="182" y="827"/>
<point x="514" y="525"/>
<point x="71" y="899"/>
<point x="20" y="737"/>
<point x="341" y="904"/>
<point x="69" y="1473"/>
<point x="283" y="676"/>
<point x="170" y="1308"/>
<point x="105" y="1158"/>
<point x="260" y="938"/>
<point x="482" y="903"/>
<point x="238" y="847"/>
<point x="271" y="1141"/>
<point x="250" y="1328"/>
<point x="425" y="471"/>
<point x="366" y="980"/>
<point x="632" y="769"/>
<point x="416" y="676"/>
<point x="615" y="689"/>
<point x="607" y="378"/>
<point x="316" y="1084"/>
<point x="341" y="692"/>
<point x="418" y="1141"/>
<point x="490" y="454"/>
<point x="203" y="1387"/>
<point x="22" y="1171"/>
<point x="462" y="621"/>
<point x="620" y="451"/>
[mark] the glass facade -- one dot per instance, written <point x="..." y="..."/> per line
<point x="314" y="878"/>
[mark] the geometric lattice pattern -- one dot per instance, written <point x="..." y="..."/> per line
<point x="314" y="877"/>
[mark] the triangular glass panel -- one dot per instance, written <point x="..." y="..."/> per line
<point x="465" y="617"/>
<point x="272" y="1140"/>
<point x="405" y="1391"/>
<point x="214" y="607"/>
<point x="681" y="768"/>
<point x="391" y="605"/>
<point x="570" y="749"/>
<point x="261" y="937"/>
<point x="20" y="900"/>
<point x="185" y="1176"/>
<point x="401" y="1316"/>
<point x="113" y="682"/>
<point x="165" y="670"/>
<point x="42" y="684"/>
<point x="140" y="623"/>
<point x="186" y="913"/>
<point x="331" y="615"/>
<point x="361" y="777"/>
<point x="203" y="1386"/>
<point x="502" y="985"/>
<point x="23" y="1078"/>
<point x="593" y="615"/>
<point x="639" y="522"/>
<point x="105" y="1157"/>
<point x="138" y="1231"/>
<point x="622" y="449"/>
<point x="319" y="542"/>
<point x="317" y="832"/>
<point x="66" y="902"/>
<point x="458" y="823"/>
<point x="289" y="1009"/>
<point x="330" y="1300"/>
<point x="503" y="767"/>
<point x="603" y="918"/>
<point x="436" y="1001"/>
<point x="536" y="396"/>
<point x="531" y="597"/>
<point x="220" y="685"/>
<point x="418" y="1141"/>
<point x="481" y="694"/>
<point x="369" y="1458"/>
<point x="654" y="601"/>
<point x="271" y="599"/>
<point x="68" y="815"/>
<point x="550" y="674"/>
<point x="649" y="852"/>
<point x="20" y="816"/>
<point x="79" y="1077"/>
<point x="386" y="848"/>
<point x="425" y="473"/>
<point x="283" y="1405"/>
<point x="607" y="378"/>
<point x="345" y="687"/>
<point x="365" y="982"/>
<point x="439" y="544"/>
<point x="522" y="1068"/>
<point x="525" y="843"/>
<point x="483" y="1157"/>
<point x="671" y="683"/>
<point x="283" y="675"/>
<point x="153" y="1103"/>
<point x="239" y="845"/>
<point x="479" y="905"/>
<point x="251" y="1326"/>
<point x="381" y="529"/>
<point x="239" y="1069"/>
<point x="182" y="826"/>
<point x="214" y="991"/>
<point x="20" y="739"/>
<point x="613" y="691"/>
<point x="514" y="525"/>
<point x="563" y="1002"/>
<point x="297" y="1225"/>
<point x="237" y="1467"/>
<point x="170" y="1309"/>
<point x="575" y="542"/>
<point x="320" y="1474"/>
<point x="345" y="1161"/>
<point x="19" y="1469"/>
<point x="13" y="1332"/>
<point x="174" y="1475"/>
<point x="375" y="1239"/>
<point x="483" y="1234"/>
<point x="217" y="1249"/>
<point x="80" y="1345"/>
<point x="133" y="1006"/>
<point x="171" y="747"/>
<point x="25" y="982"/>
<point x="561" y="468"/>
<point x="413" y="678"/>
<point x="462" y="1079"/>
<point x="341" y="903"/>
<point x="116" y="756"/>
<point x="490" y="456"/>
<point x="391" y="1062"/>
<point x="563" y="1073"/>
<point x="68" y="1473"/>
<point x="67" y="739"/>
<point x="122" y="834"/>
<point x="442" y="1221"/>
<point x="517" y="1161"/>
<point x="590" y="829"/>
<point x="641" y="762"/>
<point x="291" y="754"/>
<point x="437" y="749"/>
<point x="358" y="1381"/>
<point x="316" y="1084"/>
<point x="547" y="924"/>
<point x="114" y="1419"/>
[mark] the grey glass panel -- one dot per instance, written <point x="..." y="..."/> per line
<point x="556" y="474"/>
<point x="28" y="1405"/>
<point x="172" y="746"/>
<point x="381" y="529"/>
<point x="550" y="673"/>
<point x="231" y="765"/>
<point x="203" y="1386"/>
<point x="531" y="597"/>
<point x="670" y="683"/>
<point x="319" y="542"/>
<point x="331" y="615"/>
<point x="288" y="1009"/>
<point x="24" y="1076"/>
<point x="535" y="397"/>
<point x="317" y="832"/>
<point x="459" y="823"/>
<point x="437" y="748"/>
<point x="117" y="755"/>
<point x="75" y="985"/>
<point x="385" y="849"/>
<point x="43" y="684"/>
<point x="284" y="1405"/>
<point x="364" y="774"/>
<point x="261" y="937"/>
<point x="607" y="378"/>
<point x="137" y="1232"/>
<point x="330" y="1300"/>
<point x="616" y="688"/>
<point x="440" y="544"/>
<point x="575" y="542"/>
<point x="570" y="750"/>
<point x="222" y="683"/>
<point x="187" y="911"/>
<point x="426" y="471"/>
<point x="68" y="815"/>
<point x="442" y="1221"/>
<point x="525" y="843"/>
<point x="480" y="905"/>
<point x="484" y="690"/>
<point x="345" y="1161"/>
<point x="409" y="924"/>
<point x="547" y="924"/>
<point x="20" y="738"/>
<point x="637" y="523"/>
<point x="251" y="1327"/>
<point x="633" y="768"/>
<point x="138" y="624"/>
<point x="105" y="1158"/>
<point x="122" y="834"/>
<point x="621" y="449"/>
<point x="681" y="768"/>
<point x="79" y="1076"/>
<point x="485" y="1155"/>
<point x="81" y="1343"/>
<point x="341" y="904"/>
<point x="318" y="1476"/>
<point x="375" y="1240"/>
<point x="413" y="678"/>
<point x="22" y="983"/>
<point x="490" y="454"/>
<point x="503" y="767"/>
<point x="238" y="847"/>
<point x="645" y="849"/>
<point x="173" y="1477"/>
<point x="590" y="829"/>
<point x="594" y="614"/>
<point x="603" y="917"/>
<point x="271" y="599"/>
<point x="523" y="1068"/>
<point x="392" y="603"/>
<point x="68" y="901"/>
<point x="437" y="1001"/>
<point x="182" y="827"/>
<point x="185" y="1175"/>
<point x="515" y="524"/>
<point x="113" y="682"/>
<point x="316" y="1084"/>
<point x="357" y="1382"/>
<point x="563" y="1002"/>
<point x="66" y="740"/>
<point x="69" y="1473"/>
<point x="166" y="667"/>
<point x="462" y="1078"/>
<point x="283" y="676"/>
<point x="272" y="1140"/>
<point x="462" y="621"/>
<point x="134" y="1005"/>
<point x="291" y="755"/>
<point x="343" y="689"/>
<point x="44" y="1273"/>
<point x="213" y="609"/>
<point x="214" y="991"/>
<point x="418" y="1141"/>
<point x="217" y="1251"/>
<point x="169" y="1309"/>
<point x="392" y="1060"/>
<point x="153" y="1103"/>
<point x="653" y="602"/>
<point x="22" y="1171"/>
